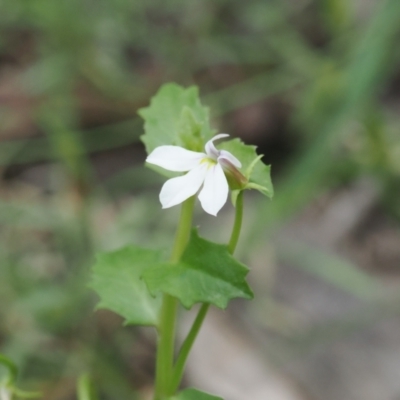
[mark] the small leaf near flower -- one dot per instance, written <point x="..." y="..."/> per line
<point x="207" y="273"/>
<point x="189" y="130"/>
<point x="176" y="117"/>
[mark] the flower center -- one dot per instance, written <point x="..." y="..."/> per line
<point x="209" y="161"/>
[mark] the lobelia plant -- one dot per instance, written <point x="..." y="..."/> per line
<point x="139" y="283"/>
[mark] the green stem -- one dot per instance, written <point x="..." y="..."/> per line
<point x="166" y="328"/>
<point x="195" y="329"/>
<point x="183" y="232"/>
<point x="187" y="346"/>
<point x="237" y="226"/>
<point x="165" y="348"/>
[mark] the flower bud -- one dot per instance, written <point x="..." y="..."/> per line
<point x="235" y="178"/>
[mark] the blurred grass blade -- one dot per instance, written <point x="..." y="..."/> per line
<point x="12" y="370"/>
<point x="9" y="388"/>
<point x="250" y="91"/>
<point x="25" y="395"/>
<point x="331" y="268"/>
<point x="28" y="215"/>
<point x="85" y="389"/>
<point x="97" y="139"/>
<point x="361" y="80"/>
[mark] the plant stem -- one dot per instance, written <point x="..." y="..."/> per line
<point x="183" y="232"/>
<point x="195" y="329"/>
<point x="237" y="226"/>
<point x="187" y="346"/>
<point x="165" y="348"/>
<point x="166" y="328"/>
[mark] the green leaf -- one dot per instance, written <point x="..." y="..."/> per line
<point x="193" y="394"/>
<point x="189" y="130"/>
<point x="255" y="170"/>
<point x="117" y="280"/>
<point x="176" y="117"/>
<point x="207" y="273"/>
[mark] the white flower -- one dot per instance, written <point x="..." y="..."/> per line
<point x="204" y="170"/>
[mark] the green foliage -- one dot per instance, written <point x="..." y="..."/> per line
<point x="189" y="130"/>
<point x="175" y="116"/>
<point x="207" y="273"/>
<point x="117" y="280"/>
<point x="193" y="394"/>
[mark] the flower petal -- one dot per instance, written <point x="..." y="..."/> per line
<point x="230" y="157"/>
<point x="177" y="190"/>
<point x="174" y="158"/>
<point x="215" y="190"/>
<point x="211" y="151"/>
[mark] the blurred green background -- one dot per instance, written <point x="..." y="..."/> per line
<point x="315" y="84"/>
